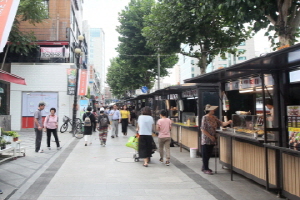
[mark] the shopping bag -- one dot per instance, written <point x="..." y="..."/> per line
<point x="132" y="142"/>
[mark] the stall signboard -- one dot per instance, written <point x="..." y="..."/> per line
<point x="189" y="94"/>
<point x="71" y="77"/>
<point x="173" y="96"/>
<point x="52" y="52"/>
<point x="249" y="83"/>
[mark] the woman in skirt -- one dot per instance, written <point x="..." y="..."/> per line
<point x="144" y="128"/>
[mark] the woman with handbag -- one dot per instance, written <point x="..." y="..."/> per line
<point x="144" y="128"/>
<point x="50" y="126"/>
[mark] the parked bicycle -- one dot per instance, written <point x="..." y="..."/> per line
<point x="79" y="131"/>
<point x="67" y="121"/>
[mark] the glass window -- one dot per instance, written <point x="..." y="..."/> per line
<point x="242" y="43"/>
<point x="192" y="62"/>
<point x="241" y="50"/>
<point x="46" y="4"/>
<point x="193" y="69"/>
<point x="242" y="58"/>
<point x="193" y="75"/>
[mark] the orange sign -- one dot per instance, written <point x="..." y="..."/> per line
<point x="83" y="82"/>
<point x="8" y="10"/>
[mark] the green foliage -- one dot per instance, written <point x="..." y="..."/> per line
<point x="13" y="134"/>
<point x="130" y="70"/>
<point x="34" y="12"/>
<point x="281" y="16"/>
<point x="175" y="22"/>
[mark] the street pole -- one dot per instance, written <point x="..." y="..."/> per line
<point x="158" y="71"/>
<point x="77" y="55"/>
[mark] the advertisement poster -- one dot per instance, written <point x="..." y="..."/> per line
<point x="83" y="106"/>
<point x="71" y="76"/>
<point x="31" y="101"/>
<point x="83" y="82"/>
<point x="293" y="113"/>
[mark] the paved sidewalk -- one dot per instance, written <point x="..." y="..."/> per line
<point x="15" y="174"/>
<point x="95" y="172"/>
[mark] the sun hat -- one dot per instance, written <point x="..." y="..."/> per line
<point x="208" y="107"/>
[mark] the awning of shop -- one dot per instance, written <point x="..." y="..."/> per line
<point x="286" y="59"/>
<point x="56" y="43"/>
<point x="8" y="77"/>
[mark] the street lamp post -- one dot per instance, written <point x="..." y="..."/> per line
<point x="77" y="55"/>
<point x="158" y="71"/>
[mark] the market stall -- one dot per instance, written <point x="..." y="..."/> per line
<point x="260" y="145"/>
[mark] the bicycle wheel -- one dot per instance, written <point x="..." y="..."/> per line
<point x="64" y="128"/>
<point x="79" y="131"/>
<point x="78" y="121"/>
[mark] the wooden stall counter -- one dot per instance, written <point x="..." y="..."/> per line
<point x="186" y="136"/>
<point x="246" y="155"/>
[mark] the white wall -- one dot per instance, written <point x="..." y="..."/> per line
<point x="40" y="78"/>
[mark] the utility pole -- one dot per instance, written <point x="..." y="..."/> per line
<point x="158" y="70"/>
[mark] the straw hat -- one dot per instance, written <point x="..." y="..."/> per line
<point x="208" y="107"/>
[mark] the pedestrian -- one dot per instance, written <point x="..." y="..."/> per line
<point x="50" y="126"/>
<point x="125" y="119"/>
<point x="88" y="121"/>
<point x="38" y="127"/>
<point x="164" y="136"/>
<point x="133" y="116"/>
<point x="96" y="117"/>
<point x="103" y="127"/>
<point x="1" y="192"/>
<point x="209" y="125"/>
<point x="144" y="128"/>
<point x="116" y="119"/>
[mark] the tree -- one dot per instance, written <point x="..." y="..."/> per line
<point x="281" y="16"/>
<point x="135" y="57"/>
<point x="32" y="11"/>
<point x="175" y="22"/>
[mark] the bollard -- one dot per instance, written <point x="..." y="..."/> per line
<point x="193" y="152"/>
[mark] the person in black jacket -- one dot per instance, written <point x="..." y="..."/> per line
<point x="88" y="125"/>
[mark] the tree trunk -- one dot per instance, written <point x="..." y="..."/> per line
<point x="284" y="40"/>
<point x="203" y="63"/>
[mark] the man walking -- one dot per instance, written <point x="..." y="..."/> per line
<point x="116" y="119"/>
<point x="38" y="127"/>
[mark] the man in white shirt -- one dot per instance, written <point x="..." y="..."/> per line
<point x="116" y="119"/>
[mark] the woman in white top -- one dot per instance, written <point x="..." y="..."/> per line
<point x="144" y="128"/>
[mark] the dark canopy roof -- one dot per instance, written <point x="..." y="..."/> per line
<point x="285" y="59"/>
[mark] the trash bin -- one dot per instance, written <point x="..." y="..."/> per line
<point x="193" y="152"/>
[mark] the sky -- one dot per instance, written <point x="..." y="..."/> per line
<point x="104" y="14"/>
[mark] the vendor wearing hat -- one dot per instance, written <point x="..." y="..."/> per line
<point x="209" y="125"/>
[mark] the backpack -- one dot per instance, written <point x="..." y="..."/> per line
<point x="103" y="121"/>
<point x="87" y="120"/>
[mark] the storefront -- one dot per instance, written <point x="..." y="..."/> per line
<point x="262" y="142"/>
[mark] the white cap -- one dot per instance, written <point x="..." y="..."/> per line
<point x="102" y="109"/>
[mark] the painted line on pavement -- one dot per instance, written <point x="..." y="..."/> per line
<point x="37" y="188"/>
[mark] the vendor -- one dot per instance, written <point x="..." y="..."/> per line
<point x="269" y="105"/>
<point x="209" y="125"/>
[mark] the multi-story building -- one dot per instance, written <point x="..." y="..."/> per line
<point x="246" y="49"/>
<point x="97" y="54"/>
<point x="45" y="70"/>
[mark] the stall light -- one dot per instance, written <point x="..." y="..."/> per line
<point x="192" y="98"/>
<point x="245" y="91"/>
<point x="260" y="89"/>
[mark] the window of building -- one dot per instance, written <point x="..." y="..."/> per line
<point x="242" y="58"/>
<point x="241" y="50"/>
<point x="193" y="75"/>
<point x="193" y="69"/>
<point x="242" y="43"/>
<point x="46" y="5"/>
<point x="192" y="62"/>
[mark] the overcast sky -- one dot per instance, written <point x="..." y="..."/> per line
<point x="104" y="14"/>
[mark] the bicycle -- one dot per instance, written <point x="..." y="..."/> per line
<point x="68" y="121"/>
<point x="79" y="131"/>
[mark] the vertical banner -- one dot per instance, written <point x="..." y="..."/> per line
<point x="83" y="82"/>
<point x="8" y="10"/>
<point x="71" y="77"/>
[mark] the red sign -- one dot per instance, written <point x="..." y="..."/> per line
<point x="8" y="10"/>
<point x="83" y="82"/>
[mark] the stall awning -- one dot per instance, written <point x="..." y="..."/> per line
<point x="287" y="59"/>
<point x="8" y="77"/>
